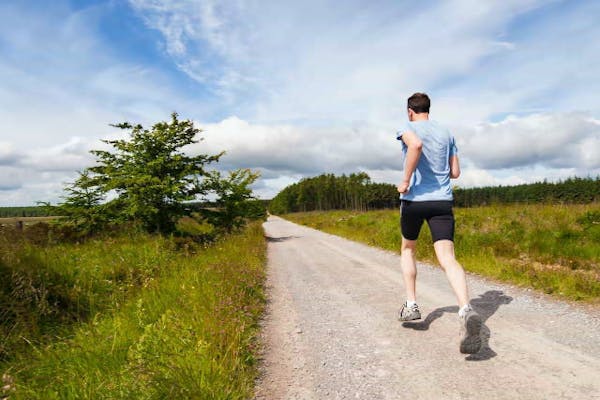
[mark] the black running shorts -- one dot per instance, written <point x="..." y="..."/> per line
<point x="438" y="215"/>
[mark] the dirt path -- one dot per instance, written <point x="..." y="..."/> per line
<point x="331" y="331"/>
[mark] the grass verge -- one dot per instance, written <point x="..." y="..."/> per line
<point x="553" y="248"/>
<point x="162" y="325"/>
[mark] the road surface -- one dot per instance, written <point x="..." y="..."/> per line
<point x="330" y="331"/>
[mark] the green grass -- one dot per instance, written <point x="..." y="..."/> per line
<point x="139" y="319"/>
<point x="553" y="248"/>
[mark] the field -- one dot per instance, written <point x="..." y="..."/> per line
<point x="12" y="221"/>
<point x="134" y="316"/>
<point x="553" y="248"/>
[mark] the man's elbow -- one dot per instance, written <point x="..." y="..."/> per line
<point x="416" y="145"/>
<point x="454" y="174"/>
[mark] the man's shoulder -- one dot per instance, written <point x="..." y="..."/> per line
<point x="423" y="127"/>
<point x="439" y="127"/>
<point x="437" y="124"/>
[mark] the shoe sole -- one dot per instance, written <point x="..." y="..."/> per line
<point x="471" y="342"/>
<point x="409" y="319"/>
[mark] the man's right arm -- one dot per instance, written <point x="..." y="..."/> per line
<point x="413" y="153"/>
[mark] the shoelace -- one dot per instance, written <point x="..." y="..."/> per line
<point x="411" y="308"/>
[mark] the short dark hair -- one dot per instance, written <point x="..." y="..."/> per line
<point x="419" y="103"/>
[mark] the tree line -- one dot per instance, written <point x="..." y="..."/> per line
<point x="357" y="192"/>
<point x="571" y="190"/>
<point x="329" y="192"/>
<point x="30" y="211"/>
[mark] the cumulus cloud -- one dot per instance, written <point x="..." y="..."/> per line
<point x="66" y="157"/>
<point x="513" y="151"/>
<point x="40" y="173"/>
<point x="291" y="149"/>
<point x="558" y="140"/>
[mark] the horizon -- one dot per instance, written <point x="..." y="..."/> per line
<point x="454" y="187"/>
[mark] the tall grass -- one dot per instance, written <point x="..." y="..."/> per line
<point x="554" y="248"/>
<point x="145" y="320"/>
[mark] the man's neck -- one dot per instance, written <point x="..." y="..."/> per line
<point x="420" y="117"/>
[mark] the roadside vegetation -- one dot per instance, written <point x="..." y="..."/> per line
<point x="132" y="316"/>
<point x="551" y="247"/>
<point x="148" y="286"/>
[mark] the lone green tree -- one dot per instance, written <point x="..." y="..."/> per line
<point x="149" y="175"/>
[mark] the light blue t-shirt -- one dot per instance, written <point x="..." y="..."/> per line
<point x="431" y="179"/>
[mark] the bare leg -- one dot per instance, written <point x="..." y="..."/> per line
<point x="409" y="267"/>
<point x="444" y="250"/>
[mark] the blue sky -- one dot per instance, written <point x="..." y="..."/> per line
<point x="294" y="89"/>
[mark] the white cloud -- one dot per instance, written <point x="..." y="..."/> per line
<point x="560" y="140"/>
<point x="40" y="173"/>
<point x="471" y="177"/>
<point x="290" y="149"/>
<point x="514" y="151"/>
<point x="25" y="186"/>
<point x="67" y="157"/>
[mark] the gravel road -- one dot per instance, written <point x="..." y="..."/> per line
<point x="330" y="331"/>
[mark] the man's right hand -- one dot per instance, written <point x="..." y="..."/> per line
<point x="403" y="187"/>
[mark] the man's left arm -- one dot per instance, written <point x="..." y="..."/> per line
<point x="453" y="161"/>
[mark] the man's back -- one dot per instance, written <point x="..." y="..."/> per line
<point x="431" y="179"/>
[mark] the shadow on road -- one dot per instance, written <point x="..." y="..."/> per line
<point x="486" y="305"/>
<point x="280" y="239"/>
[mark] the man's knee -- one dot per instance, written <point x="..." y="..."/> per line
<point x="444" y="251"/>
<point x="408" y="246"/>
<point x="447" y="261"/>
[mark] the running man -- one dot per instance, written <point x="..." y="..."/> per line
<point x="430" y="161"/>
